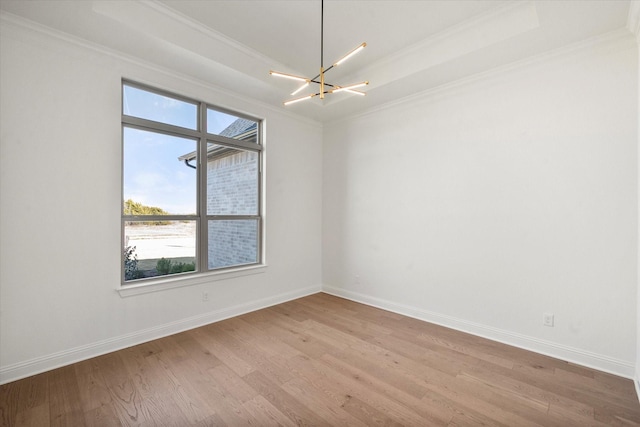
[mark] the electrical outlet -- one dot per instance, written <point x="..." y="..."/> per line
<point x="205" y="296"/>
<point x="547" y="319"/>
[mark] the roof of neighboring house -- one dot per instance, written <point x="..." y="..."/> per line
<point x="240" y="128"/>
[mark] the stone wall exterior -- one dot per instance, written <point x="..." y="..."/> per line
<point x="232" y="189"/>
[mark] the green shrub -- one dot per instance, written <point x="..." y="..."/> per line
<point x="163" y="266"/>
<point x="182" y="267"/>
<point x="131" y="270"/>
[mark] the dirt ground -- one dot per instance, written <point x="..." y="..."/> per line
<point x="174" y="240"/>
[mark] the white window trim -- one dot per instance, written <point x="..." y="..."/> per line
<point x="180" y="281"/>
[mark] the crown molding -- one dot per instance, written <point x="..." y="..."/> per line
<point x="608" y="42"/>
<point x="204" y="30"/>
<point x="476" y="33"/>
<point x="11" y="22"/>
<point x="164" y="23"/>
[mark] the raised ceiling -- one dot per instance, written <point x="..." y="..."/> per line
<point x="412" y="46"/>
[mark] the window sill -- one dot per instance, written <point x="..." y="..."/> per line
<point x="193" y="279"/>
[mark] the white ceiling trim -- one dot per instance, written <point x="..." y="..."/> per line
<point x="192" y="45"/>
<point x="12" y="25"/>
<point x="609" y="42"/>
<point x="160" y="22"/>
<point x="469" y="36"/>
<point x="207" y="31"/>
<point x="15" y="22"/>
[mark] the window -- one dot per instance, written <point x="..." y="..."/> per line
<point x="191" y="186"/>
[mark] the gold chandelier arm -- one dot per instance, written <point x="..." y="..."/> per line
<point x="349" y="55"/>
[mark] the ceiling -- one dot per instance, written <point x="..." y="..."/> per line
<point x="412" y="46"/>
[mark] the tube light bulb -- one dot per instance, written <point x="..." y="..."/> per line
<point x="355" y="92"/>
<point x="353" y="86"/>
<point x="300" y="88"/>
<point x="287" y="76"/>
<point x="293" y="101"/>
<point x="350" y="54"/>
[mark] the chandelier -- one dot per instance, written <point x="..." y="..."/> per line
<point x="324" y="87"/>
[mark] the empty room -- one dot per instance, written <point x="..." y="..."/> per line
<point x="319" y="212"/>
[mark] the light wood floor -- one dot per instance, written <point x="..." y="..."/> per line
<point x="321" y="360"/>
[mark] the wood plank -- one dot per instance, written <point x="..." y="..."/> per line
<point x="367" y="413"/>
<point x="469" y="400"/>
<point x="102" y="416"/>
<point x="246" y="333"/>
<point x="186" y="390"/>
<point x="323" y="401"/>
<point x="65" y="406"/>
<point x="232" y="383"/>
<point x="389" y="370"/>
<point x="34" y="416"/>
<point x="385" y="396"/>
<point x="196" y="351"/>
<point x="32" y="406"/>
<point x="9" y="398"/>
<point x="265" y="413"/>
<point x="157" y="388"/>
<point x="287" y="404"/>
<point x="248" y="354"/>
<point x="126" y="400"/>
<point x="216" y="344"/>
<point x="94" y="392"/>
<point x="300" y="339"/>
<point x="213" y="420"/>
<point x="399" y="411"/>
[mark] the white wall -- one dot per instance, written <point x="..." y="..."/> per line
<point x="484" y="204"/>
<point x="60" y="205"/>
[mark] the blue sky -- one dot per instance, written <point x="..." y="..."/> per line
<point x="153" y="175"/>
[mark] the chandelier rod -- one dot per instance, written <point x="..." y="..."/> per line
<point x="321" y="34"/>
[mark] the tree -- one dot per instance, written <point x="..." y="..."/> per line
<point x="137" y="208"/>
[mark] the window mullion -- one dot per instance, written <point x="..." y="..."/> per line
<point x="236" y="143"/>
<point x="151" y="218"/>
<point x="150" y="125"/>
<point x="203" y="255"/>
<point x="230" y="217"/>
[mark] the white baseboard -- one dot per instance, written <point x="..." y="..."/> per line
<point x="52" y="361"/>
<point x="636" y="382"/>
<point x="559" y="351"/>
